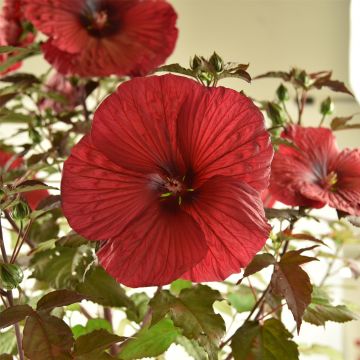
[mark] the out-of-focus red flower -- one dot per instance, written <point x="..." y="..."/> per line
<point x="11" y="162"/>
<point x="315" y="172"/>
<point x="267" y="198"/>
<point x="12" y="30"/>
<point x="169" y="181"/>
<point x="104" y="37"/>
<point x="71" y="95"/>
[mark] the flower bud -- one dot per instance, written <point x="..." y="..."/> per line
<point x="217" y="62"/>
<point x="327" y="107"/>
<point x="282" y="93"/>
<point x="195" y="63"/>
<point x="10" y="276"/>
<point x="20" y="211"/>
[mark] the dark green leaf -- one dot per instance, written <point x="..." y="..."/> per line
<point x="136" y="313"/>
<point x="72" y="239"/>
<point x="100" y="287"/>
<point x="14" y="314"/>
<point x="269" y="341"/>
<point x="177" y="69"/>
<point x="20" y="78"/>
<point x="11" y="276"/>
<point x="192" y="348"/>
<point x="290" y="281"/>
<point x="193" y="312"/>
<point x="151" y="341"/>
<point x="286" y="214"/>
<point x="47" y="338"/>
<point x="59" y="298"/>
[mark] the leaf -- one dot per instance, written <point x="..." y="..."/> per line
<point x="72" y="239"/>
<point x="11" y="276"/>
<point x="178" y="285"/>
<point x="151" y="341"/>
<point x="303" y="236"/>
<point x="264" y="342"/>
<point x="334" y="85"/>
<point x="341" y="123"/>
<point x="321" y="310"/>
<point x="259" y="262"/>
<point x="14" y="314"/>
<point x="31" y="185"/>
<point x="91" y="325"/>
<point x="141" y="302"/>
<point x="20" y="78"/>
<point x="7" y="49"/>
<point x="192" y="348"/>
<point x="322" y="350"/>
<point x="62" y="267"/>
<point x="100" y="287"/>
<point x="290" y="281"/>
<point x="286" y="214"/>
<point x="47" y="338"/>
<point x="95" y="342"/>
<point x="51" y="202"/>
<point x="17" y="55"/>
<point x="7" y="341"/>
<point x="275" y="74"/>
<point x="59" y="298"/>
<point x="6" y="357"/>
<point x="193" y="312"/>
<point x="242" y="299"/>
<point x="177" y="69"/>
<point x="8" y="116"/>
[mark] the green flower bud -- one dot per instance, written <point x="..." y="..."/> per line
<point x="282" y="93"/>
<point x="20" y="211"/>
<point x="35" y="136"/>
<point x="275" y="113"/>
<point x="217" y="62"/>
<point x="10" y="276"/>
<point x="195" y="63"/>
<point x="327" y="107"/>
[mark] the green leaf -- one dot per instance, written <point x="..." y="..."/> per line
<point x="242" y="299"/>
<point x="151" y="341"/>
<point x="269" y="341"/>
<point x="7" y="49"/>
<point x="136" y="313"/>
<point x="62" y="267"/>
<point x="7" y="341"/>
<point x="59" y="298"/>
<point x="290" y="281"/>
<point x="47" y="338"/>
<point x="192" y="348"/>
<point x="178" y="285"/>
<point x="100" y="287"/>
<point x="193" y="312"/>
<point x="14" y="314"/>
<point x="322" y="350"/>
<point x="72" y="239"/>
<point x="11" y="276"/>
<point x="177" y="69"/>
<point x="94" y="342"/>
<point x="91" y="325"/>
<point x="321" y="310"/>
<point x="8" y="116"/>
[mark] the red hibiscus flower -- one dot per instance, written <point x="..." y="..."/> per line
<point x="104" y="37"/>
<point x="71" y="95"/>
<point x="12" y="30"/>
<point x="168" y="181"/>
<point x="9" y="161"/>
<point x="316" y="172"/>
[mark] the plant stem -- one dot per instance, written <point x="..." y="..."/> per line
<point x="10" y="297"/>
<point x="322" y="120"/>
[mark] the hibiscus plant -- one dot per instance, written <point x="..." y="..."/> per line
<point x="145" y="205"/>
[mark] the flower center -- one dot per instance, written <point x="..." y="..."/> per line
<point x="100" y="20"/>
<point x="173" y="188"/>
<point x="330" y="181"/>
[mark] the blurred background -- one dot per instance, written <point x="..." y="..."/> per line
<point x="313" y="35"/>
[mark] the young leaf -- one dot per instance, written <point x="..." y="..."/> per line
<point x="47" y="337"/>
<point x="151" y="341"/>
<point x="259" y="262"/>
<point x="59" y="298"/>
<point x="192" y="348"/>
<point x="14" y="314"/>
<point x="290" y="281"/>
<point x="242" y="299"/>
<point x="264" y="342"/>
<point x="91" y="325"/>
<point x="193" y="312"/>
<point x="7" y="341"/>
<point x="178" y="285"/>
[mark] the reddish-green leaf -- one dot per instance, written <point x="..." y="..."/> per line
<point x="94" y="342"/>
<point x="14" y="314"/>
<point x="290" y="281"/>
<point x="268" y="341"/>
<point x="47" y="338"/>
<point x="59" y="298"/>
<point x="6" y="357"/>
<point x="259" y="262"/>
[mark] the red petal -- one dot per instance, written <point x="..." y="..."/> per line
<point x="34" y="197"/>
<point x="99" y="198"/>
<point x="136" y="127"/>
<point x="231" y="216"/>
<point x="154" y="250"/>
<point x="222" y="132"/>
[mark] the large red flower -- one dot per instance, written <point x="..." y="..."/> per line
<point x="104" y="37"/>
<point x="169" y="179"/>
<point x="8" y="162"/>
<point x="315" y="172"/>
